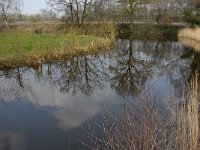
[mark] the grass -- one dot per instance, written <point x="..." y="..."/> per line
<point x="146" y="126"/>
<point x="13" y="44"/>
<point x="193" y="34"/>
<point x="29" y="49"/>
<point x="36" y="43"/>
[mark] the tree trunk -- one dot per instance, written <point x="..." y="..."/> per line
<point x="5" y="18"/>
<point x="131" y="12"/>
<point x="84" y="12"/>
<point x="71" y="12"/>
<point x="77" y="14"/>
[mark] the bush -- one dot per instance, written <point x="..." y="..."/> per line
<point x="145" y="125"/>
<point x="38" y="30"/>
<point x="192" y="14"/>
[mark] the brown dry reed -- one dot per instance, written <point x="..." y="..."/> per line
<point x="190" y="43"/>
<point x="146" y="126"/>
<point x="190" y="37"/>
<point x="193" y="34"/>
<point x="107" y="30"/>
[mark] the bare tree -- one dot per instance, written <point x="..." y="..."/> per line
<point x="133" y="6"/>
<point x="76" y="10"/>
<point x="48" y="14"/>
<point x="9" y="8"/>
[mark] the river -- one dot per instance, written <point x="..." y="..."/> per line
<point x="50" y="108"/>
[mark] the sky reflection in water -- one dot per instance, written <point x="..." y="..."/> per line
<point x="48" y="108"/>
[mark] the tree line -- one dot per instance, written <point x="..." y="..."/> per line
<point x="78" y="12"/>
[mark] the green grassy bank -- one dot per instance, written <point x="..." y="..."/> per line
<point x="45" y="42"/>
<point x="29" y="49"/>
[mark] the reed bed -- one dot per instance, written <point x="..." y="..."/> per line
<point x="193" y="34"/>
<point x="146" y="126"/>
<point x="190" y="43"/>
<point x="187" y="132"/>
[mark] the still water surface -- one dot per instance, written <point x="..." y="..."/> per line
<point x="49" y="108"/>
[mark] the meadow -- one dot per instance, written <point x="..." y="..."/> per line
<point x="26" y="44"/>
<point x="37" y="43"/>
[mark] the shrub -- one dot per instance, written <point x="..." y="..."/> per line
<point x="144" y="125"/>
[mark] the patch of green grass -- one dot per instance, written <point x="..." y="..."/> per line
<point x="17" y="44"/>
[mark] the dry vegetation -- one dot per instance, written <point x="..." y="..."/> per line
<point x="190" y="37"/>
<point x="95" y="29"/>
<point x="193" y="34"/>
<point x="146" y="126"/>
<point x="187" y="133"/>
<point x="190" y="43"/>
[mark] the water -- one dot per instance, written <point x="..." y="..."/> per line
<point x="51" y="108"/>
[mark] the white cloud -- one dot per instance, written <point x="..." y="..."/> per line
<point x="71" y="111"/>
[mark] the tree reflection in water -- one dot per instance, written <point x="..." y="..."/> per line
<point x="126" y="70"/>
<point x="129" y="73"/>
<point x="74" y="91"/>
<point x="194" y="68"/>
<point x="81" y="74"/>
<point x="14" y="85"/>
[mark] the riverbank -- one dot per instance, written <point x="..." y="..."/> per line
<point x="190" y="37"/>
<point x="29" y="49"/>
<point x="193" y="34"/>
<point x="190" y="43"/>
<point x="45" y="42"/>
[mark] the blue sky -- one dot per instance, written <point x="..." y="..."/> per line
<point x="33" y="6"/>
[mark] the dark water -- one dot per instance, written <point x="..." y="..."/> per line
<point x="50" y="108"/>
